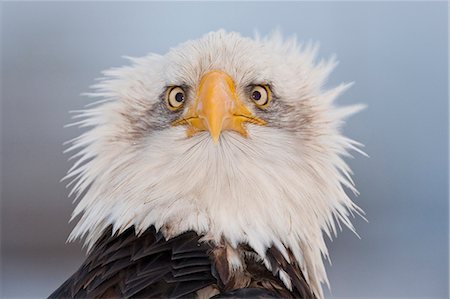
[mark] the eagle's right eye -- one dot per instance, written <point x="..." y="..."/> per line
<point x="175" y="98"/>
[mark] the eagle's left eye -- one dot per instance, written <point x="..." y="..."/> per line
<point x="260" y="94"/>
<point x="175" y="98"/>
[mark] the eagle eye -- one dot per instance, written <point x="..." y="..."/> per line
<point x="260" y="94"/>
<point x="175" y="98"/>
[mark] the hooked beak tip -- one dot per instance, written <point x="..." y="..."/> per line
<point x="215" y="130"/>
<point x="215" y="139"/>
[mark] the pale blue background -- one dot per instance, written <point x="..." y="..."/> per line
<point x="395" y="52"/>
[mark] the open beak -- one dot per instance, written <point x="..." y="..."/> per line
<point x="217" y="108"/>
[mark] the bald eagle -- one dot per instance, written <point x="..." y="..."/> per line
<point x="213" y="171"/>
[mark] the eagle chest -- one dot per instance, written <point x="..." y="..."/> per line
<point x="130" y="265"/>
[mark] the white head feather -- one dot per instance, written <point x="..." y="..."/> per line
<point x="281" y="186"/>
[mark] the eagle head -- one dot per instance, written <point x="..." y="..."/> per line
<point x="232" y="137"/>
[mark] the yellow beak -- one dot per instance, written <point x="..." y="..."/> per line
<point x="217" y="108"/>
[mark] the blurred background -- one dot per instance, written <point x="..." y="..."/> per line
<point x="397" y="54"/>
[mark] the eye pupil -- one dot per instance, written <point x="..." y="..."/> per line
<point x="179" y="97"/>
<point x="256" y="95"/>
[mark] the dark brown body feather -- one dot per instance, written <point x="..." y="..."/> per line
<point x="149" y="266"/>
